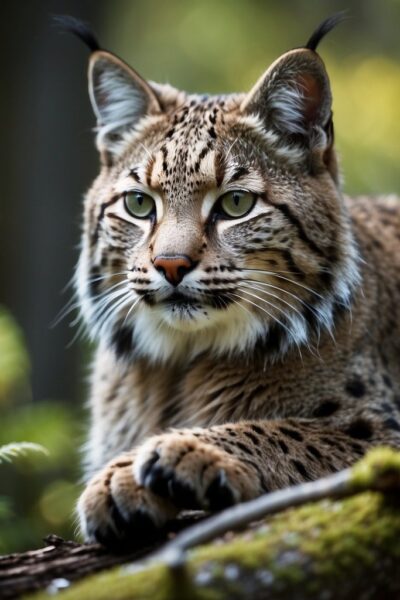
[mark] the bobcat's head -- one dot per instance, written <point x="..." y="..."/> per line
<point x="216" y="223"/>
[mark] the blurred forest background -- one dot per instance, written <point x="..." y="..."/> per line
<point x="48" y="160"/>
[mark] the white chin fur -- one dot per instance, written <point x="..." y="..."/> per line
<point x="182" y="319"/>
<point x="162" y="336"/>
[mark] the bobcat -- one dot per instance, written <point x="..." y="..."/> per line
<point x="246" y="313"/>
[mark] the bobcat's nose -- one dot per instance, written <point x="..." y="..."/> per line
<point x="174" y="267"/>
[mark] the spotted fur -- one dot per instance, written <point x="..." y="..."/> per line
<point x="274" y="357"/>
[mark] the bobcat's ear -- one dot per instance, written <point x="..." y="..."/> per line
<point x="119" y="97"/>
<point x="293" y="96"/>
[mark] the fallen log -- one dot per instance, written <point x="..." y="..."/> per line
<point x="61" y="562"/>
<point x="343" y="545"/>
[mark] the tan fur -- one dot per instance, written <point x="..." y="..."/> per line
<point x="295" y="372"/>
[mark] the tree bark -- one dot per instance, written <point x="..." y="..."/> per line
<point x="61" y="562"/>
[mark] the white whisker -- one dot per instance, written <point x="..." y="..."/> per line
<point x="107" y="276"/>
<point x="146" y="150"/>
<point x="135" y="303"/>
<point x="274" y="274"/>
<point x="260" y="289"/>
<point x="261" y="308"/>
<point x="282" y="290"/>
<point x="297" y="335"/>
<point x="113" y="310"/>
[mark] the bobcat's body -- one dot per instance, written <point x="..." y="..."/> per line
<point x="267" y="337"/>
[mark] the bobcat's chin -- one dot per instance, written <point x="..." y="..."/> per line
<point x="163" y="334"/>
<point x="186" y="316"/>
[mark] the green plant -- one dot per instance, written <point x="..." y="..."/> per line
<point x="13" y="450"/>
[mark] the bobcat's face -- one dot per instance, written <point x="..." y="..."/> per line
<point x="216" y="223"/>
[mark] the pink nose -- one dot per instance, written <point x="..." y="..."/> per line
<point x="175" y="267"/>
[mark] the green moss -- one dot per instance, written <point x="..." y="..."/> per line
<point x="330" y="540"/>
<point x="378" y="469"/>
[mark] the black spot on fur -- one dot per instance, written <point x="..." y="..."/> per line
<point x="330" y="441"/>
<point x="251" y="437"/>
<point x="244" y="448"/>
<point x="295" y="435"/>
<point x="258" y="429"/>
<point x="356" y="387"/>
<point x="272" y="341"/>
<point x="300" y="468"/>
<point x="283" y="446"/>
<point x="326" y="409"/>
<point x="360" y="430"/>
<point x="122" y="342"/>
<point x="314" y="451"/>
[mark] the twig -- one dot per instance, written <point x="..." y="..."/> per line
<point x="333" y="486"/>
<point x="338" y="485"/>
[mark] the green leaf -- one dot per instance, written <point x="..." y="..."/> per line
<point x="10" y="451"/>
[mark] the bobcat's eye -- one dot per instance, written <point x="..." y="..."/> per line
<point x="236" y="204"/>
<point x="139" y="205"/>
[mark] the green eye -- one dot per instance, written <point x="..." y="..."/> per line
<point x="139" y="205"/>
<point x="237" y="203"/>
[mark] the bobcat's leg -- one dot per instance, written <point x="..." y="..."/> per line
<point x="213" y="468"/>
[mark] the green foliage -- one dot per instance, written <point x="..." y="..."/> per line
<point x="13" y="450"/>
<point x="41" y="489"/>
<point x="14" y="360"/>
<point x="37" y="491"/>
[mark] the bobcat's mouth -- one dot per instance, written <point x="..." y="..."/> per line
<point x="177" y="299"/>
<point x="181" y="307"/>
<point x="187" y="312"/>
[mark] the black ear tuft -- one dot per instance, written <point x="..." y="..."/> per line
<point x="68" y="24"/>
<point x="324" y="28"/>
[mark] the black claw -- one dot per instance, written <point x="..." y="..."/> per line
<point x="162" y="481"/>
<point x="219" y="493"/>
<point x="118" y="519"/>
<point x="107" y="537"/>
<point x="138" y="531"/>
<point x="140" y="527"/>
<point x="182" y="494"/>
<point x="147" y="467"/>
<point x="157" y="479"/>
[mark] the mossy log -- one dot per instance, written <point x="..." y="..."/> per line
<point x="339" y="549"/>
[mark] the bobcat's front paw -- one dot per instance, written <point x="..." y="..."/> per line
<point x="192" y="473"/>
<point x="115" y="509"/>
